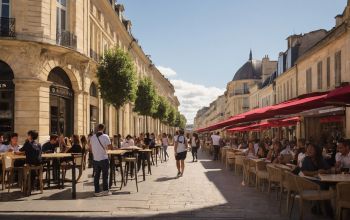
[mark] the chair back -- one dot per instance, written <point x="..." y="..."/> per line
<point x="287" y="158"/>
<point x="274" y="173"/>
<point x="260" y="166"/>
<point x="289" y="182"/>
<point x="230" y="155"/>
<point x="78" y="159"/>
<point x="246" y="164"/>
<point x="7" y="161"/>
<point x="303" y="184"/>
<point x="343" y="192"/>
<point x="239" y="160"/>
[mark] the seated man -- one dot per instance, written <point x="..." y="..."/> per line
<point x="51" y="145"/>
<point x="32" y="149"/>
<point x="343" y="156"/>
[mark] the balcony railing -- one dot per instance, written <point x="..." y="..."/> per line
<point x="66" y="39"/>
<point x="7" y="27"/>
<point x="240" y="91"/>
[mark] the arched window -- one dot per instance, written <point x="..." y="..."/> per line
<point x="93" y="90"/>
<point x="6" y="98"/>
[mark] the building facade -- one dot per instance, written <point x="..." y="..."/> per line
<point x="314" y="62"/>
<point x="48" y="60"/>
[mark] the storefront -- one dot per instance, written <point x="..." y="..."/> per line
<point x="61" y="103"/>
<point x="6" y="98"/>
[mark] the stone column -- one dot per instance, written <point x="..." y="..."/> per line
<point x="78" y="112"/>
<point x="32" y="108"/>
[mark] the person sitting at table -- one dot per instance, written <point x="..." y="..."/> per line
<point x="152" y="141"/>
<point x="32" y="149"/>
<point x="84" y="144"/>
<point x="51" y="145"/>
<point x="262" y="151"/>
<point x="299" y="154"/>
<point x="250" y="151"/>
<point x="313" y="163"/>
<point x="76" y="147"/>
<point x="128" y="142"/>
<point x="3" y="144"/>
<point x="274" y="153"/>
<point x="62" y="143"/>
<point x="343" y="156"/>
<point x="147" y="140"/>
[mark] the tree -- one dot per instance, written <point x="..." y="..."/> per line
<point x="162" y="109"/>
<point x="171" y="116"/>
<point x="117" y="78"/>
<point x="183" y="122"/>
<point x="146" y="98"/>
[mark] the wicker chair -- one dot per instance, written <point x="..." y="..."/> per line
<point x="310" y="191"/>
<point x="28" y="171"/>
<point x="252" y="170"/>
<point x="289" y="185"/>
<point x="239" y="163"/>
<point x="8" y="170"/>
<point x="343" y="198"/>
<point x="274" y="179"/>
<point x="230" y="159"/>
<point x="261" y="174"/>
<point x="246" y="173"/>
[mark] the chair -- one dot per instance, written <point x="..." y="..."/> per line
<point x="230" y="159"/>
<point x="261" y="173"/>
<point x="8" y="169"/>
<point x="289" y="184"/>
<point x="286" y="158"/>
<point x="310" y="191"/>
<point x="274" y="178"/>
<point x="239" y="163"/>
<point x="343" y="198"/>
<point x="27" y="173"/>
<point x="252" y="170"/>
<point x="131" y="168"/>
<point x="246" y="174"/>
<point x="79" y="164"/>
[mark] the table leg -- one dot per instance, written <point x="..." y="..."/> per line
<point x="149" y="163"/>
<point x="74" y="189"/>
<point x="111" y="167"/>
<point x="121" y="170"/>
<point x="59" y="173"/>
<point x="49" y="173"/>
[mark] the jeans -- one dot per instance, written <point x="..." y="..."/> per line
<point x="194" y="153"/>
<point x="165" y="148"/>
<point x="101" y="166"/>
<point x="216" y="152"/>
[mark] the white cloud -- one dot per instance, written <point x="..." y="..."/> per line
<point x="192" y="96"/>
<point x="166" y="71"/>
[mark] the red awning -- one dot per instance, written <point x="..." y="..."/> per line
<point x="335" y="118"/>
<point x="340" y="95"/>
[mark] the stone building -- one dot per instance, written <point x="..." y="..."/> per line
<point x="48" y="59"/>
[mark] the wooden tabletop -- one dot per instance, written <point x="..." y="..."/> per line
<point x="145" y="150"/>
<point x="46" y="156"/>
<point x="131" y="148"/>
<point x="116" y="152"/>
<point x="334" y="177"/>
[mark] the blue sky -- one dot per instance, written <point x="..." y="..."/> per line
<point x="199" y="44"/>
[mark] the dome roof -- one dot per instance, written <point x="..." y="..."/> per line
<point x="250" y="70"/>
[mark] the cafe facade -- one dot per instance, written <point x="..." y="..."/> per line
<point x="49" y="55"/>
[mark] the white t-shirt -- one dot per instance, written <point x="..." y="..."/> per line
<point x="128" y="143"/>
<point x="301" y="157"/>
<point x="216" y="139"/>
<point x="165" y="141"/>
<point x="181" y="146"/>
<point x="100" y="152"/>
<point x="4" y="148"/>
<point x="256" y="148"/>
<point x="344" y="160"/>
<point x="193" y="142"/>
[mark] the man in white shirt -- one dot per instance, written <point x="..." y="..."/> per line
<point x="215" y="140"/>
<point x="342" y="158"/>
<point x="99" y="144"/>
<point x="180" y="152"/>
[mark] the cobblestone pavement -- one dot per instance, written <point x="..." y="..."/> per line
<point x="206" y="191"/>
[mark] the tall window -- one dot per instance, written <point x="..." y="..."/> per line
<point x="319" y="75"/>
<point x="5" y="8"/>
<point x="61" y="16"/>
<point x="328" y="72"/>
<point x="337" y="68"/>
<point x="308" y="81"/>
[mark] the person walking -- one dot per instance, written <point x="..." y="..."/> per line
<point x="180" y="153"/>
<point x="99" y="144"/>
<point x="215" y="140"/>
<point x="195" y="144"/>
<point x="165" y="144"/>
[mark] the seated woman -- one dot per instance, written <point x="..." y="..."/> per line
<point x="314" y="164"/>
<point x="274" y="153"/>
<point x="299" y="154"/>
<point x="262" y="151"/>
<point x="76" y="147"/>
<point x="250" y="152"/>
<point x="128" y="142"/>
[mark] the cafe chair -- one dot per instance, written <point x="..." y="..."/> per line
<point x="131" y="169"/>
<point x="230" y="159"/>
<point x="252" y="171"/>
<point x="290" y="186"/>
<point x="274" y="178"/>
<point x="286" y="158"/>
<point x="343" y="198"/>
<point x="246" y="173"/>
<point x="27" y="173"/>
<point x="8" y="170"/>
<point x="261" y="174"/>
<point x="310" y="191"/>
<point x="79" y="164"/>
<point x="239" y="163"/>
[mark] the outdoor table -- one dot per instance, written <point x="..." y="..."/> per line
<point x="57" y="156"/>
<point x="119" y="154"/>
<point x="131" y="148"/>
<point x="335" y="178"/>
<point x="283" y="167"/>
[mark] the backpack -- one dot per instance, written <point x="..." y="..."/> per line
<point x="185" y="140"/>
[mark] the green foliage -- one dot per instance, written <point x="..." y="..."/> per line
<point x="183" y="122"/>
<point x="162" y="109"/>
<point x="171" y="116"/>
<point x="117" y="78"/>
<point x="146" y="98"/>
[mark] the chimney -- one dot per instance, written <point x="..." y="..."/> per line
<point x="250" y="55"/>
<point x="293" y="40"/>
<point x="338" y="20"/>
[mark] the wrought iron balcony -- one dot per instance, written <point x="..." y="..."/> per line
<point x="66" y="39"/>
<point x="7" y="27"/>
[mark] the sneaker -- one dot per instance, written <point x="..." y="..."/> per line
<point x="181" y="174"/>
<point x="178" y="174"/>
<point x="105" y="193"/>
<point x="98" y="194"/>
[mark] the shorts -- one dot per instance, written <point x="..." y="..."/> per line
<point x="181" y="155"/>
